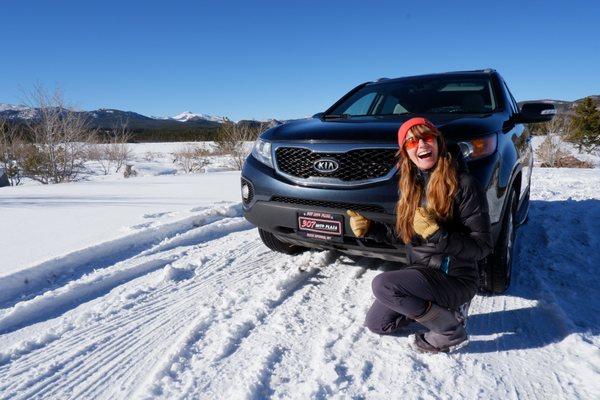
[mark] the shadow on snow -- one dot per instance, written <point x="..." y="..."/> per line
<point x="555" y="274"/>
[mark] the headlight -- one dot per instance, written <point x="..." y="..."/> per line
<point x="479" y="147"/>
<point x="262" y="152"/>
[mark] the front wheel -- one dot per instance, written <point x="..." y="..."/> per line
<point x="497" y="267"/>
<point x="277" y="245"/>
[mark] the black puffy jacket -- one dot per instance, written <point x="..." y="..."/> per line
<point x="453" y="251"/>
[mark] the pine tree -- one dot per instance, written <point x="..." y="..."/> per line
<point x="585" y="132"/>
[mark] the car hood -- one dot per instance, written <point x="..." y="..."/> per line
<point x="380" y="130"/>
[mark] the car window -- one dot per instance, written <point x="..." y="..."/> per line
<point x="391" y="105"/>
<point x="362" y="105"/>
<point x="514" y="102"/>
<point x="433" y="95"/>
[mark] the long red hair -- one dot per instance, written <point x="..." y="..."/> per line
<point x="440" y="190"/>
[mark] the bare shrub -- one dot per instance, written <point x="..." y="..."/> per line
<point x="239" y="156"/>
<point x="111" y="149"/>
<point x="216" y="151"/>
<point x="233" y="137"/>
<point x="551" y="150"/>
<point x="560" y="125"/>
<point x="10" y="152"/>
<point x="570" y="161"/>
<point x="129" y="171"/>
<point x="190" y="158"/>
<point x="118" y="151"/>
<point x="119" y="154"/>
<point x="60" y="135"/>
<point x="97" y="152"/>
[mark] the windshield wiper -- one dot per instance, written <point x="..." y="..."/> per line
<point x="336" y="116"/>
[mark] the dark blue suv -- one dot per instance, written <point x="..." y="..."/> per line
<point x="302" y="176"/>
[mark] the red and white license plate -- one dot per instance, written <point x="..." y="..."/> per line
<point x="320" y="225"/>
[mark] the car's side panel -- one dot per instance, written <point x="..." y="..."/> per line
<point x="521" y="139"/>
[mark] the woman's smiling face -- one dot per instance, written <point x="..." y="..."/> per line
<point x="422" y="149"/>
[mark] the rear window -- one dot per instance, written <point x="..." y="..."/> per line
<point x="436" y="95"/>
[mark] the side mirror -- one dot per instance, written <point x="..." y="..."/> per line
<point x="535" y="112"/>
<point x="318" y="115"/>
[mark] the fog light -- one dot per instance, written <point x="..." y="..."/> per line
<point x="247" y="191"/>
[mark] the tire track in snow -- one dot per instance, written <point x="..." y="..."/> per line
<point x="119" y="363"/>
<point x="236" y="249"/>
<point x="338" y="307"/>
<point x="87" y="361"/>
<point x="329" y="370"/>
<point x="334" y="365"/>
<point x="277" y="331"/>
<point x="59" y="332"/>
<point x="231" y="326"/>
<point x="263" y="389"/>
<point x="286" y="290"/>
<point x="55" y="302"/>
<point x="349" y="355"/>
<point x="125" y="346"/>
<point x="63" y="334"/>
<point x="77" y="366"/>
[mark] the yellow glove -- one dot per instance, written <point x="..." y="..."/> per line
<point x="359" y="224"/>
<point x="424" y="223"/>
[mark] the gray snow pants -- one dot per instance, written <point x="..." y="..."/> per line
<point x="406" y="293"/>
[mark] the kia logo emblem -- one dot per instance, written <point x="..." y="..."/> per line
<point x="326" y="165"/>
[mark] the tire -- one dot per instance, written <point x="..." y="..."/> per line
<point x="496" y="270"/>
<point x="277" y="245"/>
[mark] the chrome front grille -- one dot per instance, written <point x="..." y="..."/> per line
<point x="353" y="165"/>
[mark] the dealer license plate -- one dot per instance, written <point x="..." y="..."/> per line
<point x="320" y="225"/>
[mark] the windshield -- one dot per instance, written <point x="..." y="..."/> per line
<point x="434" y="95"/>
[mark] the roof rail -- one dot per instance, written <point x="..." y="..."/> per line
<point x="485" y="71"/>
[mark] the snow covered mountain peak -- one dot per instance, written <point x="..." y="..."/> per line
<point x="184" y="116"/>
<point x="190" y="116"/>
<point x="11" y="107"/>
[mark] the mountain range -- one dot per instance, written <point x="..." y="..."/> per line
<point x="107" y="118"/>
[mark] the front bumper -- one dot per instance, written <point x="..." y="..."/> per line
<point x="280" y="217"/>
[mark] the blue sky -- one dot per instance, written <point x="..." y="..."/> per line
<point x="280" y="59"/>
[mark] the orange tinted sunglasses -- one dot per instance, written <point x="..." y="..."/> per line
<point x="413" y="142"/>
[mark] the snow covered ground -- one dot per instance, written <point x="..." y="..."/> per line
<point x="156" y="287"/>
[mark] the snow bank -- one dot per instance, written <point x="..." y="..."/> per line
<point x="43" y="222"/>
<point x="48" y="273"/>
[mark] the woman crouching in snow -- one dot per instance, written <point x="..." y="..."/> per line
<point x="442" y="217"/>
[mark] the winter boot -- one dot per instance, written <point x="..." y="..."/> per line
<point x="445" y="330"/>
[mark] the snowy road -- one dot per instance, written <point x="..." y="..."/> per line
<point x="199" y="308"/>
